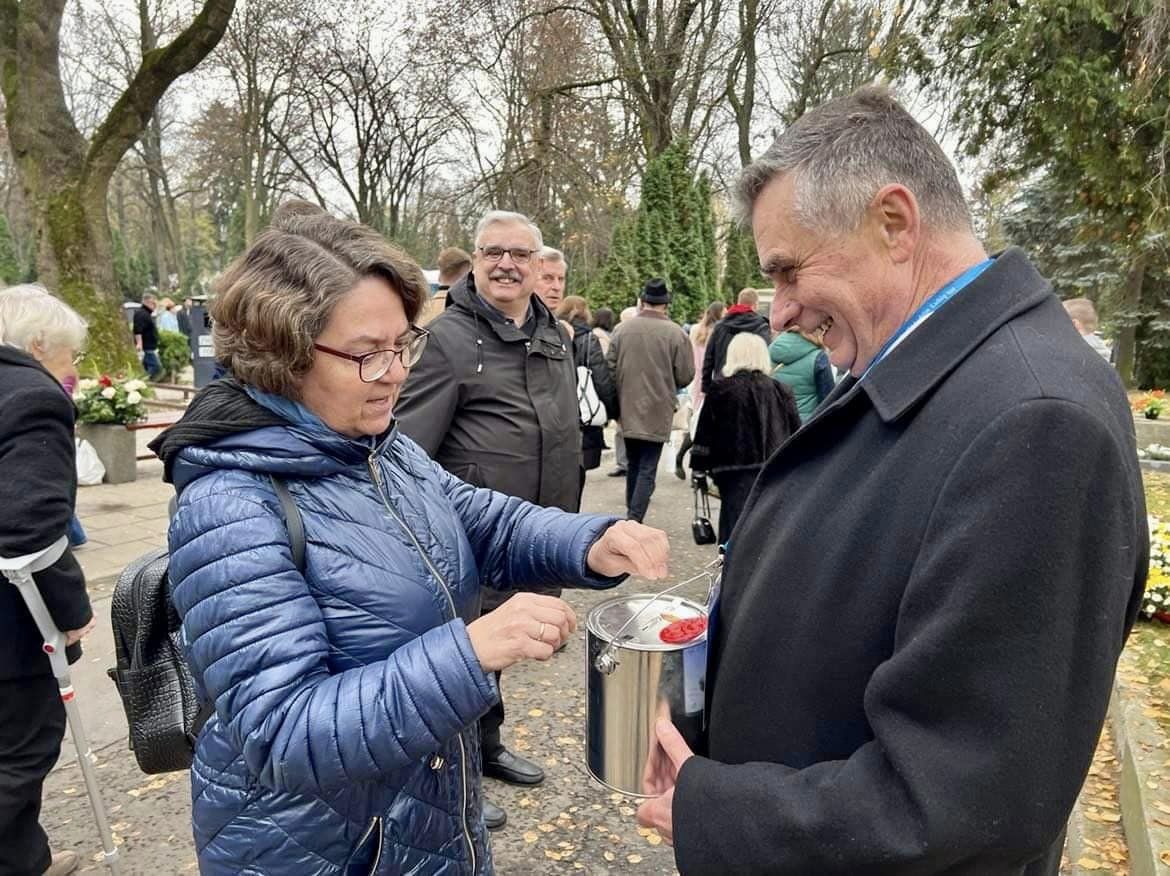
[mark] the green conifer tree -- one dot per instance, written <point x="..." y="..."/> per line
<point x="742" y="267"/>
<point x="671" y="235"/>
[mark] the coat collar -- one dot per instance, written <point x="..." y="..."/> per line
<point x="464" y="296"/>
<point x="653" y="314"/>
<point x="10" y="355"/>
<point x="1008" y="288"/>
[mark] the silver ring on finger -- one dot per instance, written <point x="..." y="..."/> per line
<point x="540" y="635"/>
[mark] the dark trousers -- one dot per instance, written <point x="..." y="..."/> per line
<point x="734" y="487"/>
<point x="687" y="444"/>
<point x="32" y="725"/>
<point x="489" y="727"/>
<point x="152" y="364"/>
<point x="641" y="473"/>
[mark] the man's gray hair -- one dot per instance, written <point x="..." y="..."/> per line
<point x="30" y="316"/>
<point x="843" y="152"/>
<point x="505" y="217"/>
<point x="552" y="254"/>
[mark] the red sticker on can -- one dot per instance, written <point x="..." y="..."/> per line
<point x="682" y="631"/>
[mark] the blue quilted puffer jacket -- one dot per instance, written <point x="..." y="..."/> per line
<point x="346" y="699"/>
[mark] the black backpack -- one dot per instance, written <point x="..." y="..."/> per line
<point x="157" y="691"/>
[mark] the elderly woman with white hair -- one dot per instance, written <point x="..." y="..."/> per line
<point x="744" y="420"/>
<point x="40" y="340"/>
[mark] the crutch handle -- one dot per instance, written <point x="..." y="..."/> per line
<point x="19" y="570"/>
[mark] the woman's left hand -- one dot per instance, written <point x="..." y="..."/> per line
<point x="630" y="548"/>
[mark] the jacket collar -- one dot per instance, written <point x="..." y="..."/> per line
<point x="464" y="296"/>
<point x="10" y="355"/>
<point x="653" y="314"/>
<point x="1008" y="288"/>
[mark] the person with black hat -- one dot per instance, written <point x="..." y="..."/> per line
<point x="651" y="360"/>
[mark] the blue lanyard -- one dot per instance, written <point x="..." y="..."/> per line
<point x="933" y="303"/>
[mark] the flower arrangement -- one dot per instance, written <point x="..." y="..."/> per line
<point x="1156" y="601"/>
<point x="111" y="400"/>
<point x="1150" y="404"/>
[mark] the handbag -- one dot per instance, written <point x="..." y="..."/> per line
<point x="590" y="410"/>
<point x="701" y="528"/>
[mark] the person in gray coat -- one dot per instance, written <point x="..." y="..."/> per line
<point x="493" y="400"/>
<point x="651" y="360"/>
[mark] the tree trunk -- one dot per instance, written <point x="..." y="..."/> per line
<point x="65" y="179"/>
<point x="1131" y="297"/>
<point x="75" y="259"/>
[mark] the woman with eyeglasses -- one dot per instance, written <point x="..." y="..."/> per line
<point x="346" y="689"/>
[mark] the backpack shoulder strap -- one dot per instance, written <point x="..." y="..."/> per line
<point x="292" y="519"/>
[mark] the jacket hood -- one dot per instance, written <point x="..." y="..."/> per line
<point x="742" y="321"/>
<point x="788" y="347"/>
<point x="225" y="427"/>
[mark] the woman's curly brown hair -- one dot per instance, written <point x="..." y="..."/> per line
<point x="274" y="300"/>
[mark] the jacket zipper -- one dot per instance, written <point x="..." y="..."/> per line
<point x="375" y="822"/>
<point x="376" y="476"/>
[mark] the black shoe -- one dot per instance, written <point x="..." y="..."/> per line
<point x="679" y="471"/>
<point x="512" y="768"/>
<point x="617" y="473"/>
<point x="493" y="816"/>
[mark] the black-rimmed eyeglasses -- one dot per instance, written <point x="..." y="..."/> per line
<point x="372" y="366"/>
<point x="520" y="255"/>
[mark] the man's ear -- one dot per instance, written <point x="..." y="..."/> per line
<point x="897" y="221"/>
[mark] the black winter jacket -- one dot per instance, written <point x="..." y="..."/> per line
<point x="494" y="407"/>
<point x="726" y="329"/>
<point x="744" y="419"/>
<point x="587" y="351"/>
<point x="38" y="486"/>
<point x="923" y="606"/>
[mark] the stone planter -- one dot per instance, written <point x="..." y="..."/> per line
<point x="1152" y="431"/>
<point x="116" y="448"/>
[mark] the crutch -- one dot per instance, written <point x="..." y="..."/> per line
<point x="19" y="570"/>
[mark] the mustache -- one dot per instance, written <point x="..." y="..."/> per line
<point x="505" y="275"/>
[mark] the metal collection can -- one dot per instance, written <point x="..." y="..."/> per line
<point x="633" y="678"/>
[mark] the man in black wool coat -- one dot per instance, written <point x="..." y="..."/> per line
<point x="925" y="598"/>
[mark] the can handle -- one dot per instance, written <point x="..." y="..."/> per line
<point x="606" y="662"/>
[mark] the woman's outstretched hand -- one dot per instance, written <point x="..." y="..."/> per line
<point x="630" y="548"/>
<point x="528" y="626"/>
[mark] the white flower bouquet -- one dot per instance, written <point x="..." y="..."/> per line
<point x="111" y="400"/>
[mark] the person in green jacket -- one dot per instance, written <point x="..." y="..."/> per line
<point x="800" y="361"/>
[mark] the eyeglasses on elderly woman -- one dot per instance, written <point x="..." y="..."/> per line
<point x="374" y="365"/>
